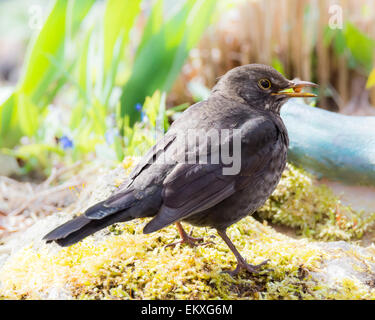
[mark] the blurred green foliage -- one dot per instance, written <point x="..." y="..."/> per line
<point x="165" y="43"/>
<point x="371" y="79"/>
<point x="90" y="69"/>
<point x="354" y="43"/>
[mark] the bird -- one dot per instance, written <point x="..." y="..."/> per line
<point x="244" y="109"/>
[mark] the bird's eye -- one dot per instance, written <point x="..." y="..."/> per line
<point x="264" y="84"/>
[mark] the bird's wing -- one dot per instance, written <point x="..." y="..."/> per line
<point x="186" y="120"/>
<point x="115" y="203"/>
<point x="125" y="197"/>
<point x="127" y="194"/>
<point x="152" y="155"/>
<point x="192" y="188"/>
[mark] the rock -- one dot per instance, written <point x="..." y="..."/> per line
<point x="345" y="261"/>
<point x="121" y="262"/>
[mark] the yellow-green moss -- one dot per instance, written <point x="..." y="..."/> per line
<point x="313" y="210"/>
<point x="132" y="265"/>
<point x="122" y="263"/>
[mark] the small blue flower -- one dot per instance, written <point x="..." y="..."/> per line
<point x="66" y="143"/>
<point x="138" y="106"/>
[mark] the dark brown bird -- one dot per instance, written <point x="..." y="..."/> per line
<point x="170" y="189"/>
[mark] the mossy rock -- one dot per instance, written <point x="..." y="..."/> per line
<point x="313" y="210"/>
<point x="121" y="262"/>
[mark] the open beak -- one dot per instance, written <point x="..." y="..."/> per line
<point x="295" y="89"/>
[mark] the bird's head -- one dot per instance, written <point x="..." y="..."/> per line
<point x="261" y="86"/>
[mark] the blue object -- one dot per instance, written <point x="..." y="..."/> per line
<point x="331" y="145"/>
<point x="66" y="143"/>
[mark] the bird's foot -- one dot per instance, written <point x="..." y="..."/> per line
<point x="192" y="242"/>
<point x="243" y="265"/>
<point x="187" y="238"/>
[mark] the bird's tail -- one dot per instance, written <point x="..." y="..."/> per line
<point x="120" y="207"/>
<point x="82" y="226"/>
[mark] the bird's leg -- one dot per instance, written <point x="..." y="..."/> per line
<point x="187" y="238"/>
<point x="241" y="262"/>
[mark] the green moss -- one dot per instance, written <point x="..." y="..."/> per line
<point x="132" y="265"/>
<point x="313" y="210"/>
<point x="122" y="263"/>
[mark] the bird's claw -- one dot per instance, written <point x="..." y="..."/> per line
<point x="243" y="265"/>
<point x="191" y="241"/>
<point x="188" y="238"/>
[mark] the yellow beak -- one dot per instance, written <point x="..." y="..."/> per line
<point x="296" y="91"/>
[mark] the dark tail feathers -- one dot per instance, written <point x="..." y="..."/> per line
<point x="80" y="227"/>
<point x="118" y="208"/>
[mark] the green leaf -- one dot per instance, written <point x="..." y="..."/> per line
<point x="78" y="12"/>
<point x="37" y="74"/>
<point x="49" y="41"/>
<point x="97" y="115"/>
<point x="6" y="114"/>
<point x="371" y="80"/>
<point x="119" y="18"/>
<point x="360" y="45"/>
<point x="10" y="132"/>
<point x="162" y="123"/>
<point x="278" y="65"/>
<point x="27" y="114"/>
<point x="151" y="107"/>
<point x="163" y="52"/>
<point x="84" y="72"/>
<point x="43" y="73"/>
<point x="119" y="147"/>
<point x="153" y="25"/>
<point x="77" y="115"/>
<point x="339" y="42"/>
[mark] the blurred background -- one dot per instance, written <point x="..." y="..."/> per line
<point x="87" y="81"/>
